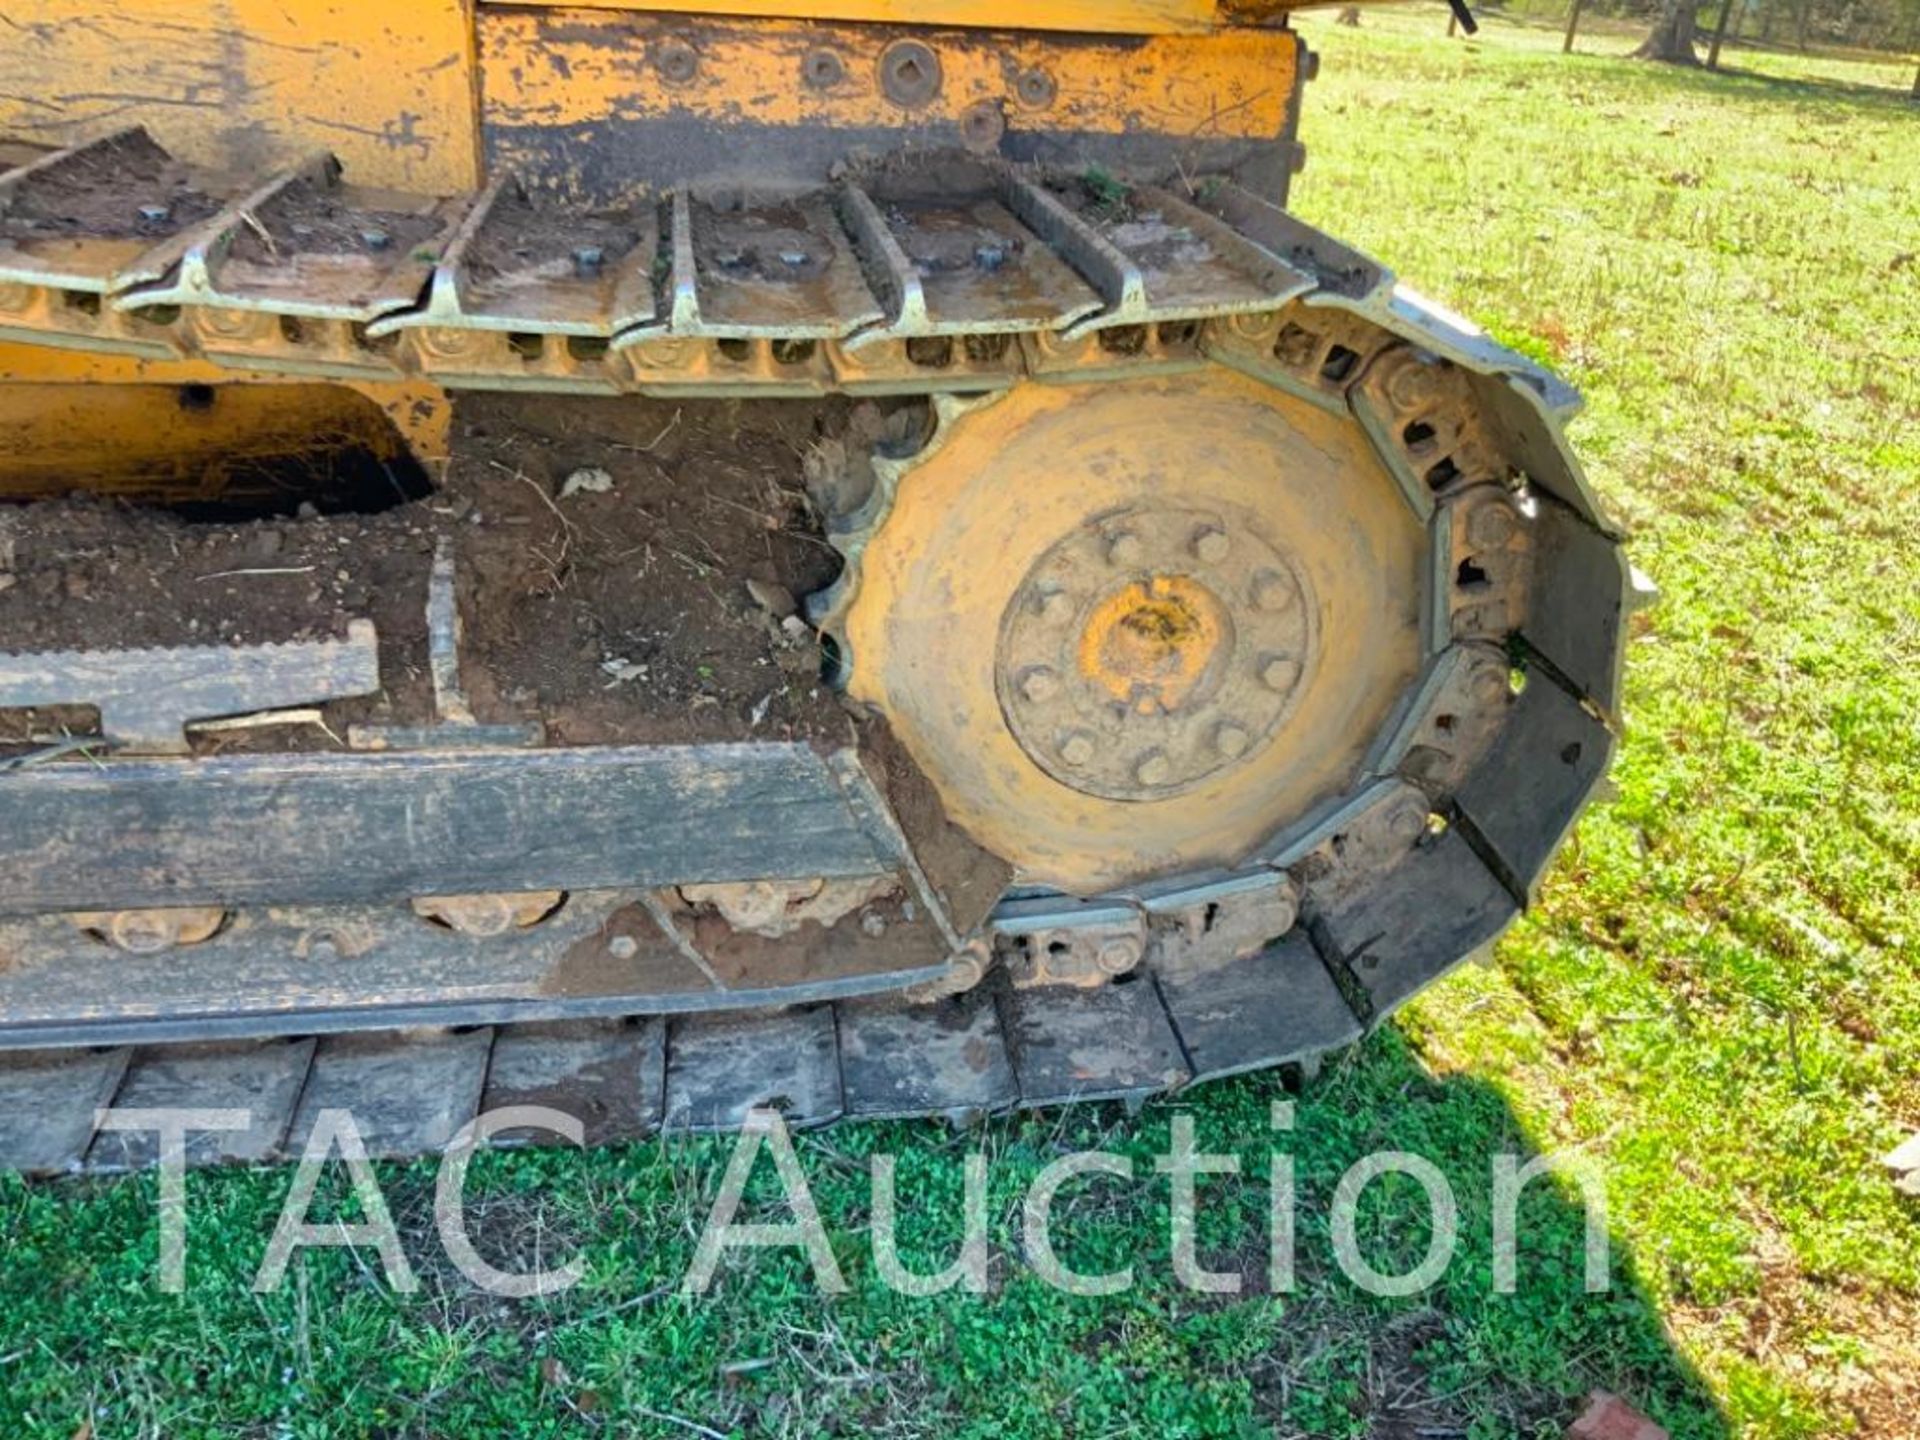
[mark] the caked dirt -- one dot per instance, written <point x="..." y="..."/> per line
<point x="616" y="608"/>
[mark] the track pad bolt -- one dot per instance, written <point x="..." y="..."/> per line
<point x="1230" y="740"/>
<point x="1039" y="685"/>
<point x="1411" y="386"/>
<point x="1491" y="525"/>
<point x="155" y="214"/>
<point x="1280" y="674"/>
<point x="1153" y="768"/>
<point x="587" y="260"/>
<point x="1125" y="549"/>
<point x="1077" y="748"/>
<point x="1273" y="592"/>
<point x="1211" y="545"/>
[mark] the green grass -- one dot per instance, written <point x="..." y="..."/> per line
<point x="1719" y="996"/>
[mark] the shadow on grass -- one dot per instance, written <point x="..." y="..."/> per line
<point x="87" y="1336"/>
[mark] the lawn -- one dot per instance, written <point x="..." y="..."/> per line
<point x="1718" y="998"/>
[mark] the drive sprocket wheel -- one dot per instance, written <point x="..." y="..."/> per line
<point x="1132" y="628"/>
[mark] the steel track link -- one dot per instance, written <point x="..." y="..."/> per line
<point x="1303" y="948"/>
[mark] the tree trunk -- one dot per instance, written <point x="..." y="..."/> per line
<point x="1672" y="37"/>
<point x="1719" y="35"/>
<point x="1573" y="27"/>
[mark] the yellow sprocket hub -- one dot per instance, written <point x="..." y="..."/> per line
<point x="1136" y="627"/>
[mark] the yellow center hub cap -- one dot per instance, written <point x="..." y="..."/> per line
<point x="1150" y="644"/>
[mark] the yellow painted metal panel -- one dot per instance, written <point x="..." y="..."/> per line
<point x="247" y="84"/>
<point x="1123" y="17"/>
<point x="554" y="67"/>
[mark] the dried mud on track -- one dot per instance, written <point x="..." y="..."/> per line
<point x="617" y="614"/>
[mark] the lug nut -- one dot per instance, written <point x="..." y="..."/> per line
<point x="1211" y="545"/>
<point x="1280" y="674"/>
<point x="1077" y="748"/>
<point x="1039" y="685"/>
<point x="1152" y="768"/>
<point x="1053" y="605"/>
<point x="1272" y="592"/>
<point x="1491" y="525"/>
<point x="1230" y="740"/>
<point x="1125" y="549"/>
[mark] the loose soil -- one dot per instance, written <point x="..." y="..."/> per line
<point x="100" y="192"/>
<point x="621" y="616"/>
<point x="312" y="219"/>
<point x="518" y="240"/>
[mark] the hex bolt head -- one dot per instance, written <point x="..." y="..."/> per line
<point x="990" y="255"/>
<point x="1039" y="685"/>
<point x="1035" y="88"/>
<point x="1490" y="685"/>
<point x="1408" y="823"/>
<point x="1211" y="545"/>
<point x="375" y="239"/>
<point x="623" y="947"/>
<point x="1152" y="768"/>
<point x="1411" y="386"/>
<point x="587" y="260"/>
<point x="155" y="214"/>
<point x="1231" y="740"/>
<point x="794" y="259"/>
<point x="1077" y="748"/>
<point x="1053" y="604"/>
<point x="1280" y="674"/>
<point x="1125" y="549"/>
<point x="676" y="60"/>
<point x="1491" y="524"/>
<point x="1273" y="592"/>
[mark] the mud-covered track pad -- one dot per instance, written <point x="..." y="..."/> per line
<point x="336" y="828"/>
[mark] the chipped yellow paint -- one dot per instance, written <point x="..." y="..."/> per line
<point x="245" y="85"/>
<point x="1150" y="643"/>
<point x="1124" y="17"/>
<point x="559" y="67"/>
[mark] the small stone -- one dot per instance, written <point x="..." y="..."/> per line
<point x="1608" y="1417"/>
<point x="589" y="480"/>
<point x="795" y="629"/>
<point x="307" y="511"/>
<point x="7" y="582"/>
<point x="776" y="600"/>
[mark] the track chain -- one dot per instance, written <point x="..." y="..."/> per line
<point x="1299" y="951"/>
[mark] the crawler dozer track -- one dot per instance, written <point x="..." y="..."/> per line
<point x="1245" y="635"/>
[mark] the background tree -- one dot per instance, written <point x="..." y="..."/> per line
<point x="1672" y="37"/>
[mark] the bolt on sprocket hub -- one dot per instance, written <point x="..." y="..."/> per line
<point x="1153" y="647"/>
